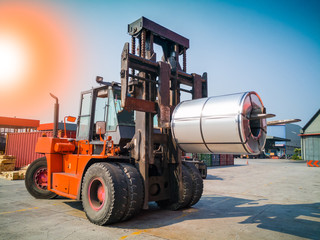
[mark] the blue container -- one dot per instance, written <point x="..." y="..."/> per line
<point x="215" y="160"/>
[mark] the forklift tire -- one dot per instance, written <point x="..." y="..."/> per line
<point x="185" y="199"/>
<point x="197" y="183"/>
<point x="135" y="190"/>
<point x="204" y="172"/>
<point x="104" y="193"/>
<point x="36" y="179"/>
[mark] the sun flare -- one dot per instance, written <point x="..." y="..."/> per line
<point x="36" y="53"/>
<point x="13" y="61"/>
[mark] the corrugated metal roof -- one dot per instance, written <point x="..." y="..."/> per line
<point x="8" y="122"/>
<point x="313" y="125"/>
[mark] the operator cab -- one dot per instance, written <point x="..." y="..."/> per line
<point x="102" y="105"/>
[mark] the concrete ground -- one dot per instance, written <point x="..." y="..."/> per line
<point x="266" y="199"/>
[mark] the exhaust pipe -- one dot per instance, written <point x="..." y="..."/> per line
<point x="55" y="116"/>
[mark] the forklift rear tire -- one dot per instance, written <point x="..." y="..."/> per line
<point x="36" y="179"/>
<point x="104" y="193"/>
<point x="184" y="200"/>
<point x="197" y="183"/>
<point x="204" y="173"/>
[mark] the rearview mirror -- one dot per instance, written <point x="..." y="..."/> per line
<point x="71" y="119"/>
<point x="100" y="127"/>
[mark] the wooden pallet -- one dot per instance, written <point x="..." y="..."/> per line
<point x="13" y="175"/>
<point x="7" y="163"/>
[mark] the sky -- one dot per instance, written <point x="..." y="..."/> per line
<point x="271" y="47"/>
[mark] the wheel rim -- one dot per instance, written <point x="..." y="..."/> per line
<point x="40" y="178"/>
<point x="96" y="194"/>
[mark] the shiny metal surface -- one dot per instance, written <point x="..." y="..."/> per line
<point x="286" y="121"/>
<point x="220" y="124"/>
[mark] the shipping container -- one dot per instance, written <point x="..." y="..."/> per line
<point x="22" y="146"/>
<point x="223" y="159"/>
<point x="206" y="158"/>
<point x="215" y="160"/>
<point x="230" y="159"/>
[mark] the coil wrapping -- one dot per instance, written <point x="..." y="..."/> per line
<point x="221" y="124"/>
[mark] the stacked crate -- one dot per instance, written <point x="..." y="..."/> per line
<point x="13" y="175"/>
<point x="7" y="166"/>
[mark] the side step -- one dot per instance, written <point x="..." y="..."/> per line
<point x="65" y="184"/>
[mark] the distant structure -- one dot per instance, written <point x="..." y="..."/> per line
<point x="14" y="125"/>
<point x="22" y="144"/>
<point x="8" y="124"/>
<point x="282" y="140"/>
<point x="49" y="127"/>
<point x="310" y="138"/>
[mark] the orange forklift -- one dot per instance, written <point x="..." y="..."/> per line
<point x="131" y="136"/>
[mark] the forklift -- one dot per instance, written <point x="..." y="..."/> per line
<point x="132" y="135"/>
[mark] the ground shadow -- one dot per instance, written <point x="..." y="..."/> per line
<point x="75" y="204"/>
<point x="59" y="198"/>
<point x="227" y="166"/>
<point x="300" y="220"/>
<point x="212" y="177"/>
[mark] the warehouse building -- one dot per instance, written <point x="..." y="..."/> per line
<point x="310" y="138"/>
<point x="285" y="138"/>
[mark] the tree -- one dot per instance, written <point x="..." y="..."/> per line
<point x="297" y="154"/>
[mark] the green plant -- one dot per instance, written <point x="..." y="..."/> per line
<point x="297" y="154"/>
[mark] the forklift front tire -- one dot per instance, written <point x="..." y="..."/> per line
<point x="104" y="193"/>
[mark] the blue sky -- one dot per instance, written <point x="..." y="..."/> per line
<point x="271" y="47"/>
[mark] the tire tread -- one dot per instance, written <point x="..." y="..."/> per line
<point x="115" y="181"/>
<point x="135" y="190"/>
<point x="197" y="183"/>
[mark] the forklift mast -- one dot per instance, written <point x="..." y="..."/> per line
<point x="152" y="89"/>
